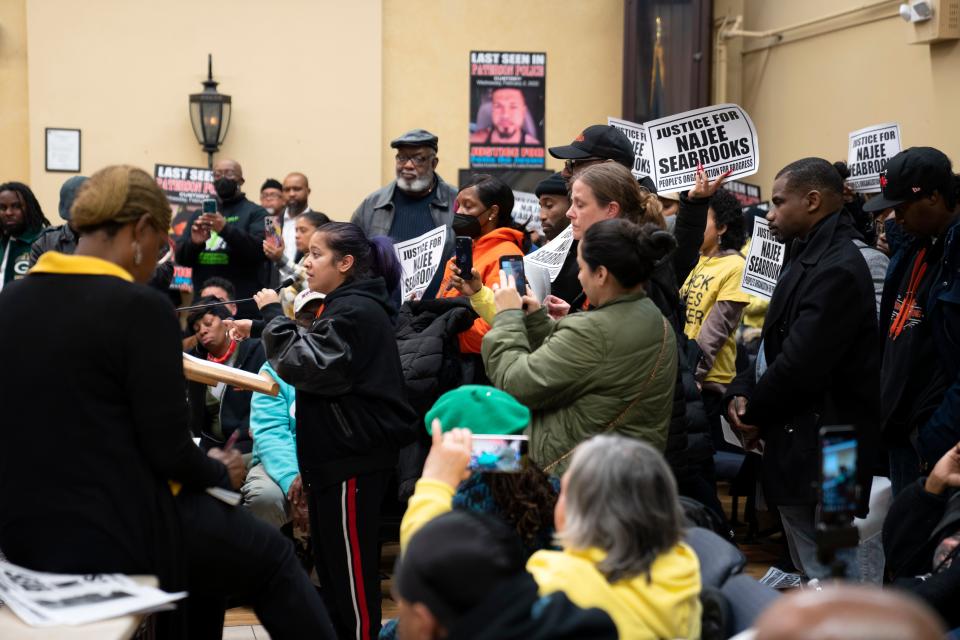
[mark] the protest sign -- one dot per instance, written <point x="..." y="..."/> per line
<point x="637" y="134"/>
<point x="526" y="211"/>
<point x="748" y="195"/>
<point x="868" y="153"/>
<point x="543" y="265"/>
<point x="507" y="99"/>
<point x="720" y="138"/>
<point x="419" y="260"/>
<point x="186" y="188"/>
<point x="764" y="261"/>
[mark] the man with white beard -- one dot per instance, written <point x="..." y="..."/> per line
<point x="416" y="202"/>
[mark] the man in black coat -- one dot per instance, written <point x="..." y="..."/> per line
<point x="819" y="362"/>
<point x="228" y="243"/>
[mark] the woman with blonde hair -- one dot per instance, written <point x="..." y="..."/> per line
<point x="104" y="478"/>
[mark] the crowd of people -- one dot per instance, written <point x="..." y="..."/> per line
<point x="624" y="378"/>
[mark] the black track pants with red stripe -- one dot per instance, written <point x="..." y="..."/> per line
<point x="344" y="524"/>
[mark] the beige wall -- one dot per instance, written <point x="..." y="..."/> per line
<point x="807" y="94"/>
<point x="15" y="157"/>
<point x="426" y="66"/>
<point x="304" y="77"/>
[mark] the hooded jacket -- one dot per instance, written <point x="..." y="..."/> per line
<point x="487" y="251"/>
<point x="352" y="410"/>
<point x="580" y="375"/>
<point x="663" y="603"/>
<point x="15" y="254"/>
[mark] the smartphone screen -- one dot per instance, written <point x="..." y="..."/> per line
<point x="274" y="233"/>
<point x="838" y="470"/>
<point x="499" y="454"/>
<point x="464" y="252"/>
<point x="513" y="266"/>
<point x="209" y="206"/>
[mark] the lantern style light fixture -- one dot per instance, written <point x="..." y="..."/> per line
<point x="210" y="114"/>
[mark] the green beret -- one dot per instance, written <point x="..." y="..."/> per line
<point x="483" y="410"/>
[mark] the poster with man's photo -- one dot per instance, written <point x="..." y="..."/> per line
<point x="507" y="99"/>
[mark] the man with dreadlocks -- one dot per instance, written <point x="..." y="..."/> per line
<point x="21" y="221"/>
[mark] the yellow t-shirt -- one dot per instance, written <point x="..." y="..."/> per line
<point x="711" y="281"/>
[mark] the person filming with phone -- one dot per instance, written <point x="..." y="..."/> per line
<point x="608" y="370"/>
<point x="226" y="237"/>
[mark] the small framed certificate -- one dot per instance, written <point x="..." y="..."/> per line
<point x="62" y="150"/>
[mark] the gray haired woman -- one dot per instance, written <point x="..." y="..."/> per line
<point x="618" y="520"/>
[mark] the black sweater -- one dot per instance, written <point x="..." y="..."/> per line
<point x="94" y="426"/>
<point x="352" y="410"/>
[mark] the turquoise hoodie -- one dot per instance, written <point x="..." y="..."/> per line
<point x="273" y="426"/>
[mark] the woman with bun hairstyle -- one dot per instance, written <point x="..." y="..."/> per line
<point x="352" y="413"/>
<point x="611" y="369"/>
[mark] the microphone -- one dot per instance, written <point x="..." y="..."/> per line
<point x="283" y="285"/>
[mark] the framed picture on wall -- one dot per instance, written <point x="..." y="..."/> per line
<point x="62" y="149"/>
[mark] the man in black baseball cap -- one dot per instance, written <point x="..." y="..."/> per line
<point x="463" y="575"/>
<point x="920" y="314"/>
<point x="597" y="143"/>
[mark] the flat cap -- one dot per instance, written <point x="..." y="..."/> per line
<point x="416" y="138"/>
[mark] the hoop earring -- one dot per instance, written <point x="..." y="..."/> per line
<point x="137" y="254"/>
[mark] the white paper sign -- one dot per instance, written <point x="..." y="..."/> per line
<point x="868" y="153"/>
<point x="526" y="211"/>
<point x="720" y="138"/>
<point x="637" y="134"/>
<point x="764" y="262"/>
<point x="419" y="261"/>
<point x="543" y="265"/>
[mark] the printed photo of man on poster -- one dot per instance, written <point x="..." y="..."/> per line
<point x="507" y="110"/>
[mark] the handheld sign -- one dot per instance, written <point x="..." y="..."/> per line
<point x="720" y="138"/>
<point x="419" y="260"/>
<point x="868" y="153"/>
<point x="526" y="211"/>
<point x="764" y="261"/>
<point x="543" y="265"/>
<point x="637" y="134"/>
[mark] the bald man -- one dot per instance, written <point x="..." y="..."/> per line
<point x="845" y="612"/>
<point x="296" y="191"/>
<point x="229" y="243"/>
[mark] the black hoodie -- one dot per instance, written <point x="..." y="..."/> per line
<point x="515" y="610"/>
<point x="352" y="410"/>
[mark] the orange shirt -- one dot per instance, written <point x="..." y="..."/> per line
<point x="487" y="251"/>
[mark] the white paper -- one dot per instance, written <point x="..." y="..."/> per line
<point x="543" y="265"/>
<point x="232" y="498"/>
<point x="777" y="579"/>
<point x="50" y="599"/>
<point x="764" y="262"/>
<point x="63" y="150"/>
<point x="526" y="211"/>
<point x="637" y="134"/>
<point x="720" y="138"/>
<point x="419" y="260"/>
<point x="867" y="155"/>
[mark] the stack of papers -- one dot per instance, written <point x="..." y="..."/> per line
<point x="51" y="599"/>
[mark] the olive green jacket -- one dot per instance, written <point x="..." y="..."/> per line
<point x="614" y="365"/>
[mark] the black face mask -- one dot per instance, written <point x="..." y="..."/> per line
<point x="226" y="188"/>
<point x="464" y="225"/>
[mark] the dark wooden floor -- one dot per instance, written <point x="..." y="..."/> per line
<point x="761" y="554"/>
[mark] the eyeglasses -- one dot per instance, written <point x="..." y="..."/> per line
<point x="229" y="173"/>
<point x="418" y="160"/>
<point x="571" y="165"/>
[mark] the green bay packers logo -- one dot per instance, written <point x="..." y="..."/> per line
<point x="21" y="265"/>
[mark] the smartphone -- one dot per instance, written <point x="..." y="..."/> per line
<point x="209" y="206"/>
<point x="274" y="232"/>
<point x="513" y="265"/>
<point x="500" y="454"/>
<point x="839" y="489"/>
<point x="464" y="252"/>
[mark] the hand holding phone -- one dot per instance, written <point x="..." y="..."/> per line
<point x="463" y="247"/>
<point x="513" y="266"/>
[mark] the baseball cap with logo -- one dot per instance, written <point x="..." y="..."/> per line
<point x="910" y="175"/>
<point x="598" y="141"/>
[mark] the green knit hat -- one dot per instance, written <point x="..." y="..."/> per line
<point x="483" y="410"/>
